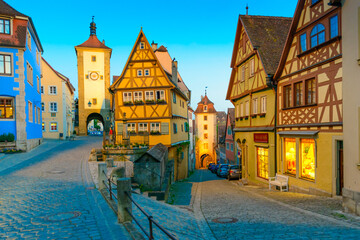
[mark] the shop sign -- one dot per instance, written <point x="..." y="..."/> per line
<point x="261" y="137"/>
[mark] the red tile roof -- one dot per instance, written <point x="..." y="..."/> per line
<point x="205" y="101"/>
<point x="6" y="9"/>
<point x="93" y="42"/>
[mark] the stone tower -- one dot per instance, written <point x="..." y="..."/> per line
<point x="205" y="125"/>
<point x="93" y="61"/>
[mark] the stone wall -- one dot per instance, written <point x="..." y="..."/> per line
<point x="351" y="201"/>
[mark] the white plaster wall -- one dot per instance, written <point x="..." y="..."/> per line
<point x="351" y="96"/>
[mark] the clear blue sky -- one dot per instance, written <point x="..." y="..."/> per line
<point x="199" y="34"/>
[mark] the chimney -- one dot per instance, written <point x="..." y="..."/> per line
<point x="154" y="46"/>
<point x="103" y="41"/>
<point x="174" y="71"/>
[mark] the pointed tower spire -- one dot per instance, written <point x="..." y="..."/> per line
<point x="205" y="90"/>
<point x="92" y="27"/>
<point x="247" y="9"/>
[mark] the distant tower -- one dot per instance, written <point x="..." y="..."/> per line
<point x="93" y="61"/>
<point x="205" y="125"/>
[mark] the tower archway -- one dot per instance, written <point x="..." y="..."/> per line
<point x="205" y="160"/>
<point x="95" y="124"/>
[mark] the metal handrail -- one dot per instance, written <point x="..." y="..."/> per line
<point x="151" y="220"/>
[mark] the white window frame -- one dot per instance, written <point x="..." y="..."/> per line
<point x="155" y="127"/>
<point x="149" y="95"/>
<point x="30" y="74"/>
<point x="138" y="96"/>
<point x="52" y="92"/>
<point x="127" y="96"/>
<point x="162" y="95"/>
<point x="252" y="67"/>
<point x="51" y="110"/>
<point x="246" y="108"/>
<point x="4" y="20"/>
<point x="255" y="106"/>
<point x="147" y="72"/>
<point x="263" y="104"/>
<point x="57" y="127"/>
<point x="139" y="73"/>
<point x="142" y="127"/>
<point x="142" y="45"/>
<point x="30" y="111"/>
<point x="6" y="64"/>
<point x="241" y="109"/>
<point x="205" y="108"/>
<point x="131" y="127"/>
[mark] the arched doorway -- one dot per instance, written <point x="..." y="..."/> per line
<point x="205" y="160"/>
<point x="95" y="124"/>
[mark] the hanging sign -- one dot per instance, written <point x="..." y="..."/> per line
<point x="261" y="137"/>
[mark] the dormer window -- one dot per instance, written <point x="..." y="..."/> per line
<point x="205" y="108"/>
<point x="142" y="45"/>
<point x="4" y="26"/>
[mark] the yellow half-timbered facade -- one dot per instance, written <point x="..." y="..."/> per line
<point x="309" y="100"/>
<point x="151" y="99"/>
<point x="257" y="49"/>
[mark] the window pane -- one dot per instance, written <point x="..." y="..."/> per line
<point x="7" y="27"/>
<point x="303" y="42"/>
<point x="308" y="158"/>
<point x="298" y="94"/>
<point x="321" y="37"/>
<point x="2" y="67"/>
<point x="262" y="162"/>
<point x="1" y="26"/>
<point x="290" y="155"/>
<point x="7" y="64"/>
<point x="334" y="29"/>
<point x="2" y="111"/>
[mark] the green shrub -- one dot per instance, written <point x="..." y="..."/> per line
<point x="7" y="137"/>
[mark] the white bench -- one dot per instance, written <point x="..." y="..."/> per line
<point x="279" y="180"/>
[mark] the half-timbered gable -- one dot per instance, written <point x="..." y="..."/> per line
<point x="152" y="98"/>
<point x="257" y="50"/>
<point x="309" y="76"/>
<point x="309" y="99"/>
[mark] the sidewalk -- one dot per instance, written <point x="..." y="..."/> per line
<point x="11" y="160"/>
<point x="325" y="206"/>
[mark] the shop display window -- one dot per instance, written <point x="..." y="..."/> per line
<point x="262" y="162"/>
<point x="290" y="155"/>
<point x="307" y="158"/>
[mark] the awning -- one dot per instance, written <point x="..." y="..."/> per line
<point x="298" y="133"/>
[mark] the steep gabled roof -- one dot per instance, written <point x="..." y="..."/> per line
<point x="268" y="36"/>
<point x="6" y="9"/>
<point x="231" y="116"/>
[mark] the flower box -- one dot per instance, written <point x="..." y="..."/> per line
<point x="138" y="102"/>
<point x="128" y="103"/>
<point x="155" y="133"/>
<point x="161" y="101"/>
<point x="149" y="101"/>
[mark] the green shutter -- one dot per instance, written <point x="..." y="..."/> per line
<point x="164" y="128"/>
<point x="120" y="127"/>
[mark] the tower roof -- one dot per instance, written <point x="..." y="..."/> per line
<point x="205" y="101"/>
<point x="93" y="41"/>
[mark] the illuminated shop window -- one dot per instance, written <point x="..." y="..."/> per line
<point x="308" y="158"/>
<point x="290" y="155"/>
<point x="262" y="162"/>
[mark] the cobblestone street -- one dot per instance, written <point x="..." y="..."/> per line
<point x="253" y="212"/>
<point x="49" y="195"/>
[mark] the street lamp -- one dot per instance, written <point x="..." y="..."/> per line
<point x="89" y="103"/>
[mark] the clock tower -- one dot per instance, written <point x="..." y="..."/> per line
<point x="93" y="62"/>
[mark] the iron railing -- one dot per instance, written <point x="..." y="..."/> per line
<point x="108" y="184"/>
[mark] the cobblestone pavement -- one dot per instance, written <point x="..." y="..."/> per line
<point x="50" y="195"/>
<point x="251" y="212"/>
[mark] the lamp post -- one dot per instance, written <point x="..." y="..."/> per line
<point x="89" y="103"/>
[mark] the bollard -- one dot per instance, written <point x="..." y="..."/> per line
<point x="124" y="202"/>
<point x="109" y="162"/>
<point x="101" y="175"/>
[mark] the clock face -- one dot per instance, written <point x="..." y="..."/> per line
<point x="94" y="75"/>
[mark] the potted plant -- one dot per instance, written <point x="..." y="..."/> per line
<point x="127" y="103"/>
<point x="160" y="101"/>
<point x="138" y="102"/>
<point x="149" y="101"/>
<point x="155" y="132"/>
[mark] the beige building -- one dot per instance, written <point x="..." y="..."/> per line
<point x="57" y="96"/>
<point x="205" y="125"/>
<point x="351" y="108"/>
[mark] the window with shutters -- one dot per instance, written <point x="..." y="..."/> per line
<point x="30" y="111"/>
<point x="255" y="106"/>
<point x="243" y="73"/>
<point x="29" y="74"/>
<point x="175" y="127"/>
<point x="247" y="108"/>
<point x="241" y="110"/>
<point x="252" y="67"/>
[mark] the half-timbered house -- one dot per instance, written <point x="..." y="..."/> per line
<point x="151" y="97"/>
<point x="257" y="49"/>
<point x="309" y="99"/>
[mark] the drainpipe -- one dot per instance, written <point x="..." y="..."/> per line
<point x="271" y="83"/>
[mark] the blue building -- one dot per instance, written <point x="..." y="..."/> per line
<point x="20" y="73"/>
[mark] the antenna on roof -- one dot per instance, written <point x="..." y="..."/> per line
<point x="205" y="90"/>
<point x="247" y="9"/>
